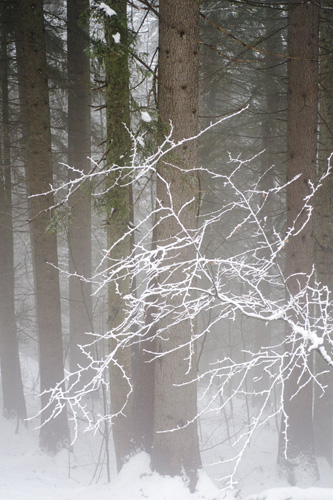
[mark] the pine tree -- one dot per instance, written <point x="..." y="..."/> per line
<point x="323" y="406"/>
<point x="79" y="152"/>
<point x="54" y="433"/>
<point x="176" y="407"/>
<point x="296" y="452"/>
<point x="12" y="388"/>
<point x="118" y="208"/>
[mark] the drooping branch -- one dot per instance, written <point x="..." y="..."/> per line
<point x="227" y="286"/>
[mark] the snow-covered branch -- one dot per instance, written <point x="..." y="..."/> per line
<point x="250" y="282"/>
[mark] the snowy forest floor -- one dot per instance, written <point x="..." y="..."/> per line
<point x="29" y="474"/>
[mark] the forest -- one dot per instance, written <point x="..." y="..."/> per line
<point x="166" y="249"/>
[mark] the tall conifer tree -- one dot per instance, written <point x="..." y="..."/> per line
<point x="176" y="407"/>
<point x="118" y="208"/>
<point x="54" y="432"/>
<point x="323" y="407"/>
<point x="12" y="388"/>
<point x="79" y="152"/>
<point x="296" y="453"/>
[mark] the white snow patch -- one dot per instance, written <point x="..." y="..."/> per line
<point x="108" y="11"/>
<point x="145" y="116"/>
<point x="116" y="38"/>
<point x="29" y="474"/>
<point x="294" y="494"/>
<point x="141" y="141"/>
<point x="136" y="481"/>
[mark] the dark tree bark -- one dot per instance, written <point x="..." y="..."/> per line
<point x="118" y="208"/>
<point x="12" y="388"/>
<point x="143" y="385"/>
<point x="54" y="433"/>
<point x="300" y="461"/>
<point x="175" y="452"/>
<point x="323" y="407"/>
<point x="270" y="145"/>
<point x="79" y="152"/>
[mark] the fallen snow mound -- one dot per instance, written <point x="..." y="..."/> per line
<point x="137" y="481"/>
<point x="294" y="494"/>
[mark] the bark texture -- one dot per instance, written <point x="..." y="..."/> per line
<point x="79" y="152"/>
<point x="176" y="407"/>
<point x="12" y="388"/>
<point x="117" y="203"/>
<point x="323" y="409"/>
<point x="299" y="463"/>
<point x="54" y="432"/>
<point x="269" y="159"/>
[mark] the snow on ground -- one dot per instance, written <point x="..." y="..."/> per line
<point x="28" y="474"/>
<point x="294" y="494"/>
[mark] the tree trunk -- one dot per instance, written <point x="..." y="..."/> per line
<point x="79" y="152"/>
<point x="118" y="209"/>
<point x="298" y="462"/>
<point x="176" y="407"/>
<point x="12" y="388"/>
<point x="323" y="407"/>
<point x="143" y="385"/>
<point x="54" y="431"/>
<point x="269" y="158"/>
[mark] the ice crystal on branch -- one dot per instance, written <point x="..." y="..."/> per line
<point x="249" y="282"/>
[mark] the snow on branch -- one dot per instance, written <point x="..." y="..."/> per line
<point x="106" y="9"/>
<point x="248" y="282"/>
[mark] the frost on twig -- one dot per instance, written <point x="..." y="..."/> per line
<point x="222" y="287"/>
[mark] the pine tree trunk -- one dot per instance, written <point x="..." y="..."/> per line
<point x="299" y="466"/>
<point x="54" y="433"/>
<point x="143" y="385"/>
<point x="118" y="218"/>
<point x="269" y="158"/>
<point x="175" y="407"/>
<point x="79" y="152"/>
<point x="323" y="407"/>
<point x="12" y="388"/>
